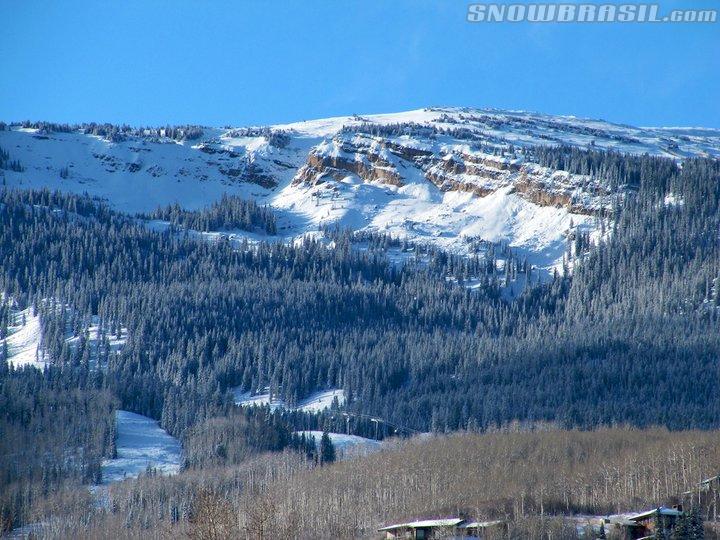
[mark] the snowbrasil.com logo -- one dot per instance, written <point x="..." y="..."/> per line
<point x="586" y="13"/>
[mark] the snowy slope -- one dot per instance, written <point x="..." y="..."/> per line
<point x="319" y="401"/>
<point x="248" y="399"/>
<point x="23" y="341"/>
<point x="445" y="176"/>
<point x="95" y="334"/>
<point x="346" y="446"/>
<point x="141" y="443"/>
<point x="316" y="402"/>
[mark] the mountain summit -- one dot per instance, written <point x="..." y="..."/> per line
<point x="445" y="176"/>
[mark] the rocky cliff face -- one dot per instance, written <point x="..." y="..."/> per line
<point x="368" y="166"/>
<point x="453" y="166"/>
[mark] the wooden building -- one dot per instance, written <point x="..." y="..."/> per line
<point x="644" y="525"/>
<point x="706" y="496"/>
<point x="429" y="529"/>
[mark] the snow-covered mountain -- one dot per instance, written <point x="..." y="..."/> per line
<point x="448" y="176"/>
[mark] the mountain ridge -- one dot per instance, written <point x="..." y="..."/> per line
<point x="446" y="176"/>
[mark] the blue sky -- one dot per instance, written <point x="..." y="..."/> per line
<point x="257" y="62"/>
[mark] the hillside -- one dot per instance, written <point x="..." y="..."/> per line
<point x="446" y="176"/>
<point x="546" y="484"/>
<point x="243" y="319"/>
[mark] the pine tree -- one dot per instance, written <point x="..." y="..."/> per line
<point x="680" y="532"/>
<point x="327" y="449"/>
<point x="696" y="525"/>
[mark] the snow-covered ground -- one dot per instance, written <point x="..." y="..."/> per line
<point x="23" y="340"/>
<point x="673" y="200"/>
<point x="141" y="443"/>
<point x="94" y="333"/>
<point x="448" y="220"/>
<point x="316" y="402"/>
<point x="25" y="336"/>
<point x="320" y="401"/>
<point x="432" y="201"/>
<point x="524" y="127"/>
<point x="346" y="446"/>
<point x="248" y="399"/>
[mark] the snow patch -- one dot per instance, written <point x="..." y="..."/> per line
<point x="321" y="400"/>
<point x="316" y="402"/>
<point x="346" y="446"/>
<point x="673" y="200"/>
<point x="141" y="443"/>
<point x="23" y="340"/>
<point x="248" y="399"/>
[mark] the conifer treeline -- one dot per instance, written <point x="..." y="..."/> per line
<point x="632" y="337"/>
<point x="230" y="212"/>
<point x="416" y="350"/>
<point x="115" y="132"/>
<point x="55" y="429"/>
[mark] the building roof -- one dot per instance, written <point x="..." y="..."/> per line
<point x="663" y="511"/>
<point x="480" y="524"/>
<point x="623" y="522"/>
<point x="427" y="523"/>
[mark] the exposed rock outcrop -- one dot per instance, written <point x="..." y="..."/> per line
<point x="376" y="159"/>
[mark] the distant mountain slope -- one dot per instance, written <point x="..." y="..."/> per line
<point x="448" y="176"/>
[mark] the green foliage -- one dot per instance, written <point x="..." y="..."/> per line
<point x="56" y="427"/>
<point x="327" y="449"/>
<point x="634" y="328"/>
<point x="228" y="213"/>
